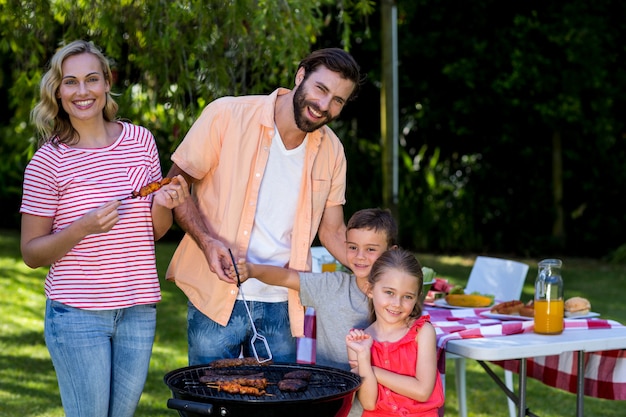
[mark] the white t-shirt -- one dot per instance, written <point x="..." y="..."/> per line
<point x="270" y="240"/>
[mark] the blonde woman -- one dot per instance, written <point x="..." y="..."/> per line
<point x="102" y="287"/>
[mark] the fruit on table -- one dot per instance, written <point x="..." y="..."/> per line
<point x="469" y="300"/>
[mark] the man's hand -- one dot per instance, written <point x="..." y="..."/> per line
<point x="173" y="194"/>
<point x="219" y="260"/>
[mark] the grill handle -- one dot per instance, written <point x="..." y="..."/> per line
<point x="190" y="406"/>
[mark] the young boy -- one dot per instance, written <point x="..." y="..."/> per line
<point x="339" y="298"/>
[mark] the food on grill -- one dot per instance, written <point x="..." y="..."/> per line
<point x="259" y="383"/>
<point x="150" y="188"/>
<point x="236" y="388"/>
<point x="469" y="300"/>
<point x="528" y="309"/>
<point x="235" y="381"/>
<point x="234" y="362"/>
<point x="231" y="372"/>
<point x="298" y="374"/>
<point x="293" y="385"/>
<point x="254" y="380"/>
<point x="577" y="306"/>
<point x="295" y="381"/>
<point x="328" y="393"/>
<point x="223" y="377"/>
<point x="508" y="307"/>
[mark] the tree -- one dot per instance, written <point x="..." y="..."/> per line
<point x="170" y="58"/>
<point x="489" y="91"/>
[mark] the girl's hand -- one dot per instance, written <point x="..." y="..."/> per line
<point x="359" y="341"/>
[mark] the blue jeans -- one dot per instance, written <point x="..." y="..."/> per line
<point x="209" y="341"/>
<point x="101" y="357"/>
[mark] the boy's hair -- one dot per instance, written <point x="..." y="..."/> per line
<point x="400" y="260"/>
<point x="379" y="220"/>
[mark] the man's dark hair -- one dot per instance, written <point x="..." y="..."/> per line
<point x="337" y="60"/>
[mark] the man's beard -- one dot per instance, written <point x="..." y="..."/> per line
<point x="299" y="108"/>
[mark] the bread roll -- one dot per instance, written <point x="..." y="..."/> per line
<point x="577" y="306"/>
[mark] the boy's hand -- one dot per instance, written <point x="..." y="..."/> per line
<point x="242" y="267"/>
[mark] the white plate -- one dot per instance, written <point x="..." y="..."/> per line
<point x="505" y="316"/>
<point x="441" y="302"/>
<point x="581" y="316"/>
<point x="524" y="318"/>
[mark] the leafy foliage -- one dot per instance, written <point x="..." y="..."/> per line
<point x="510" y="116"/>
<point x="169" y="58"/>
<point x="511" y="128"/>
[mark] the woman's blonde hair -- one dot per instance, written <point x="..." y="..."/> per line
<point x="51" y="120"/>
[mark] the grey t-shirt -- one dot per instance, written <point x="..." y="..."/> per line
<point x="339" y="306"/>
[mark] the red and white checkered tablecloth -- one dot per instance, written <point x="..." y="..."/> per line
<point x="605" y="372"/>
<point x="306" y="344"/>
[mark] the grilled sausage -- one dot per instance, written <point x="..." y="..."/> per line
<point x="508" y="307"/>
<point x="257" y="380"/>
<point x="234" y="388"/>
<point x="150" y="188"/>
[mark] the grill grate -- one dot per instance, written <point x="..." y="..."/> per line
<point x="325" y="383"/>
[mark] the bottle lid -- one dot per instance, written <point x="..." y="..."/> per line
<point x="551" y="263"/>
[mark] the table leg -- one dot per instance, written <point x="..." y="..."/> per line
<point x="580" y="384"/>
<point x="520" y="401"/>
<point x="521" y="406"/>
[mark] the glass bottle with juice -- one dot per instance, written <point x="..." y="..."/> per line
<point x="549" y="298"/>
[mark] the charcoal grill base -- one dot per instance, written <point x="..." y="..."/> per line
<point x="330" y="393"/>
<point x="337" y="408"/>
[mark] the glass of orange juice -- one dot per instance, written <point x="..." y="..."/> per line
<point x="549" y="316"/>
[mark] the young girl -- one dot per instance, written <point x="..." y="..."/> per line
<point x="396" y="356"/>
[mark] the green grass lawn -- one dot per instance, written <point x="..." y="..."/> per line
<point x="28" y="384"/>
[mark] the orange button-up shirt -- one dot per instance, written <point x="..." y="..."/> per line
<point x="227" y="150"/>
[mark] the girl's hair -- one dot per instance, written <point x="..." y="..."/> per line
<point x="51" y="120"/>
<point x="398" y="260"/>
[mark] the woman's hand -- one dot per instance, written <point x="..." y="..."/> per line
<point x="41" y="247"/>
<point x="99" y="220"/>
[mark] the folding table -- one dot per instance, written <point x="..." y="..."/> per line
<point x="527" y="345"/>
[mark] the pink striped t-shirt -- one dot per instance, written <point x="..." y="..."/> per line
<point x="109" y="270"/>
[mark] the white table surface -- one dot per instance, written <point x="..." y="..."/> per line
<point x="528" y="345"/>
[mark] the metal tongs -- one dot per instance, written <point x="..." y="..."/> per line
<point x="256" y="337"/>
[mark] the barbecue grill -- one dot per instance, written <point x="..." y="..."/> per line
<point x="329" y="393"/>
